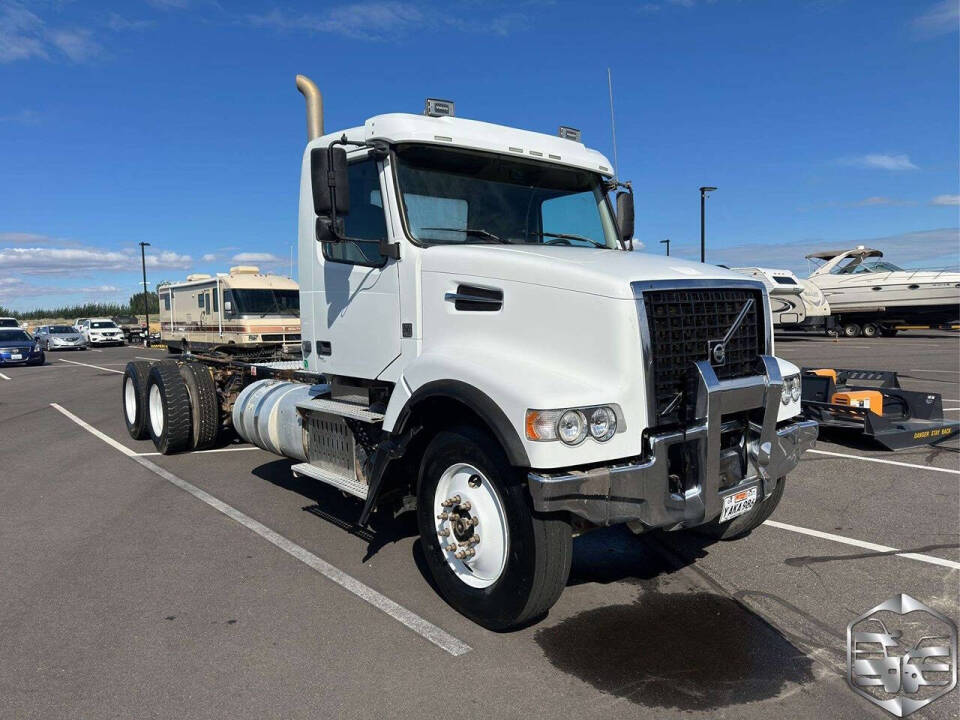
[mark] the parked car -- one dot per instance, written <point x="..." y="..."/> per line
<point x="133" y="330"/>
<point x="78" y="323"/>
<point x="101" y="331"/>
<point x="9" y="322"/>
<point x="18" y="348"/>
<point x="59" y="337"/>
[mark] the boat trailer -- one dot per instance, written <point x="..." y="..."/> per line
<point x="872" y="403"/>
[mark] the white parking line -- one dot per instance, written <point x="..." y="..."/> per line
<point x="4" y="376"/>
<point x="886" y="462"/>
<point x="200" y="452"/>
<point x="141" y="357"/>
<point x="931" y="559"/>
<point x="98" y="367"/>
<point x="951" y="409"/>
<point x="424" y="628"/>
<point x="951" y="372"/>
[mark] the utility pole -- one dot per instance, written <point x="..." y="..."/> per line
<point x="146" y="304"/>
<point x="667" y="241"/>
<point x="703" y="206"/>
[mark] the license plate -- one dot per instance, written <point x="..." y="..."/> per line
<point x="738" y="503"/>
<point x="16" y="356"/>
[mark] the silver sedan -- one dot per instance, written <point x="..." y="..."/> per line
<point x="59" y="337"/>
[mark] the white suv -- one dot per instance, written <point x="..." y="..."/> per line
<point x="101" y="331"/>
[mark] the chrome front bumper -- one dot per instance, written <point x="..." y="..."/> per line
<point x="645" y="492"/>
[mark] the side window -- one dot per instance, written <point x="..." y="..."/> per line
<point x="206" y="301"/>
<point x="365" y="223"/>
<point x="166" y="302"/>
<point x="216" y="299"/>
<point x="200" y="300"/>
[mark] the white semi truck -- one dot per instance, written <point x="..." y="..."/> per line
<point x="477" y="346"/>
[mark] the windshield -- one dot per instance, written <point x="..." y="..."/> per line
<point x="126" y="320"/>
<point x="9" y="322"/>
<point x="62" y="330"/>
<point x="13" y="336"/>
<point x="856" y="265"/>
<point x="459" y="197"/>
<point x="102" y="324"/>
<point x="262" y="302"/>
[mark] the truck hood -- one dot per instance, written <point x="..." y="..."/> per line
<point x="588" y="270"/>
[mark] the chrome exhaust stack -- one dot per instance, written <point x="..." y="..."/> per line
<point x="314" y="106"/>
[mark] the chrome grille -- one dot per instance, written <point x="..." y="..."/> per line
<point x="681" y="325"/>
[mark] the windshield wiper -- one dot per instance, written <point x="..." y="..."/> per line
<point x="473" y="232"/>
<point x="567" y="236"/>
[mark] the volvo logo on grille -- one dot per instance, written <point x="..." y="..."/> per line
<point x="718" y="356"/>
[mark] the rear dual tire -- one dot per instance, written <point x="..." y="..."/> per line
<point x="522" y="558"/>
<point x="204" y="405"/>
<point x="168" y="409"/>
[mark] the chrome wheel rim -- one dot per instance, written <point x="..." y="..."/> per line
<point x="471" y="525"/>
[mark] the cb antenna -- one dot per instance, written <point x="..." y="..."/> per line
<point x="613" y="125"/>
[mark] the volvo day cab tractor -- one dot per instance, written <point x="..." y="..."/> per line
<point x="479" y="347"/>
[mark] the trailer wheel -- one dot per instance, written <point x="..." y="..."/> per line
<point x="870" y="330"/>
<point x="742" y="526"/>
<point x="169" y="408"/>
<point x="134" y="398"/>
<point x="492" y="557"/>
<point x="204" y="406"/>
<point x="851" y="330"/>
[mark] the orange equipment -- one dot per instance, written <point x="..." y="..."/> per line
<point x="871" y="400"/>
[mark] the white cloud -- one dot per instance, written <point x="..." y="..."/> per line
<point x="384" y="20"/>
<point x="882" y="201"/>
<point x="882" y="161"/>
<point x="169" y="4"/>
<point x="25" y="116"/>
<point x="209" y="257"/>
<point x="255" y="257"/>
<point x="118" y="23"/>
<point x="62" y="261"/>
<point x="24" y="35"/>
<point x="13" y="289"/>
<point x="946" y="200"/>
<point x="939" y="19"/>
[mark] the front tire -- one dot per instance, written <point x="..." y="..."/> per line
<point x="521" y="559"/>
<point x="742" y="526"/>
<point x="168" y="406"/>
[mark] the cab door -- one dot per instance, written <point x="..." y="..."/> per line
<point x="356" y="303"/>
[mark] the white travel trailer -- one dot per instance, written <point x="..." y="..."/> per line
<point x="240" y="310"/>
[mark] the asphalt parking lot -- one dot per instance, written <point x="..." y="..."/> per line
<point x="215" y="585"/>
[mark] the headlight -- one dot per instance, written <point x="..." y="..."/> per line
<point x="791" y="389"/>
<point x="571" y="426"/>
<point x="252" y="337"/>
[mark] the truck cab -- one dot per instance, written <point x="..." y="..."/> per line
<point x="479" y="345"/>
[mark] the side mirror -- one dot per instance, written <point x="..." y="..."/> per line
<point x="330" y="185"/>
<point x="625" y="215"/>
<point x="228" y="306"/>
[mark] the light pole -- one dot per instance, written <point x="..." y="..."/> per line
<point x="146" y="304"/>
<point x="667" y="241"/>
<point x="703" y="204"/>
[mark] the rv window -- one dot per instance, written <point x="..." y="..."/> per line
<point x="166" y="302"/>
<point x="784" y="279"/>
<point x="216" y="303"/>
<point x="365" y="221"/>
<point x="206" y="301"/>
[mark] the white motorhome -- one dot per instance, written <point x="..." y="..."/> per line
<point x="240" y="310"/>
<point x="479" y="347"/>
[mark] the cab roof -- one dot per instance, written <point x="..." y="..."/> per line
<point x="476" y="135"/>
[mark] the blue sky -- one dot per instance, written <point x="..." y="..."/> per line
<point x="824" y="123"/>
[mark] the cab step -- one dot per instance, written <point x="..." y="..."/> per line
<point x="342" y="482"/>
<point x="341" y="408"/>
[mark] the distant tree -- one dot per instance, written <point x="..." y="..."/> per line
<point x="136" y="303"/>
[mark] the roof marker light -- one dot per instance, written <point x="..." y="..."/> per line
<point x="439" y="108"/>
<point x="569" y="133"/>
